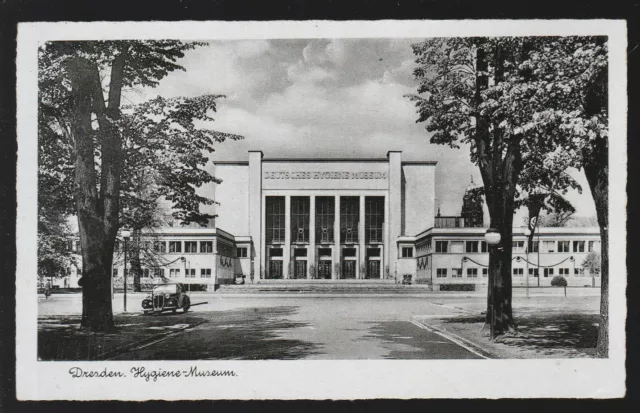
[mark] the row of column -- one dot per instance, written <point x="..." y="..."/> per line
<point x="311" y="249"/>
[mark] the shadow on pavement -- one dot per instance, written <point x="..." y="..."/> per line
<point x="547" y="333"/>
<point x="247" y="334"/>
<point x="405" y="341"/>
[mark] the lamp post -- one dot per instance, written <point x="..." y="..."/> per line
<point x="527" y="233"/>
<point x="492" y="237"/>
<point x="125" y="234"/>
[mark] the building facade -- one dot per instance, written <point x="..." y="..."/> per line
<point x="344" y="219"/>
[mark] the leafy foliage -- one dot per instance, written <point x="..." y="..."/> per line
<point x="592" y="262"/>
<point x="535" y="97"/>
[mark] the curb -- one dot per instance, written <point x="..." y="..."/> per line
<point x="461" y="341"/>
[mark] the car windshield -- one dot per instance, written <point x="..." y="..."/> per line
<point x="165" y="289"/>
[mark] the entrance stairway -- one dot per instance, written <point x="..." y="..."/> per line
<point x="324" y="287"/>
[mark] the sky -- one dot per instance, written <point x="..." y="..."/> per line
<point x="340" y="98"/>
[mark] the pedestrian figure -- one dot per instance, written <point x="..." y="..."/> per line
<point x="47" y="290"/>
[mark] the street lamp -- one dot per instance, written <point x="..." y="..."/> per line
<point x="492" y="237"/>
<point x="125" y="234"/>
<point x="527" y="233"/>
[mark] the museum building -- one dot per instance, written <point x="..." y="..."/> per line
<point x="370" y="220"/>
<point x="327" y="219"/>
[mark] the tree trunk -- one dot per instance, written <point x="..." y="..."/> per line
<point x="597" y="173"/>
<point x="136" y="267"/>
<point x="96" y="292"/>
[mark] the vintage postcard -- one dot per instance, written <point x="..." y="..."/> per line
<point x="321" y="210"/>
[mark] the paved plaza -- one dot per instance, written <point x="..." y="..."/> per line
<point x="290" y="326"/>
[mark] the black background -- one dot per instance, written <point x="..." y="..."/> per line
<point x="12" y="12"/>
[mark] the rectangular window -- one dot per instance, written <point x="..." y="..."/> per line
<point x="407" y="252"/>
<point x="549" y="246"/>
<point x="472" y="273"/>
<point x="174" y="272"/>
<point x="485" y="272"/>
<point x="578" y="246"/>
<point x="275" y="216"/>
<point x="241" y="252"/>
<point x="441" y="246"/>
<point x="190" y="273"/>
<point x="275" y="252"/>
<point x="591" y="246"/>
<point x="518" y="272"/>
<point x="175" y="246"/>
<point x="441" y="273"/>
<point x="533" y="272"/>
<point x="349" y="218"/>
<point x="206" y="247"/>
<point x="578" y="272"/>
<point x="456" y="272"/>
<point x="563" y="271"/>
<point x="483" y="246"/>
<point x="548" y="272"/>
<point x="471" y="246"/>
<point x="160" y="246"/>
<point x="190" y="246"/>
<point x="373" y="218"/>
<point x="205" y="272"/>
<point x="145" y="272"/>
<point x="324" y="252"/>
<point x="299" y="252"/>
<point x="563" y="246"/>
<point x="325" y="219"/>
<point x="158" y="272"/>
<point x="518" y="246"/>
<point x="457" y="247"/>
<point x="534" y="246"/>
<point x="300" y="219"/>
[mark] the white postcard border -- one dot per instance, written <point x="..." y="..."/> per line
<point x="591" y="378"/>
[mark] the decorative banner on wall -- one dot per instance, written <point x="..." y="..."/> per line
<point x="324" y="175"/>
<point x="226" y="261"/>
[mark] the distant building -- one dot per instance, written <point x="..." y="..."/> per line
<point x="472" y="211"/>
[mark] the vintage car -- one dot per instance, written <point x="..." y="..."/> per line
<point x="166" y="297"/>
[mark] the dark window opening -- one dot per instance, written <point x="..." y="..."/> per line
<point x="275" y="225"/>
<point x="299" y="252"/>
<point x="325" y="219"/>
<point x="349" y="252"/>
<point x="324" y="252"/>
<point x="374" y="218"/>
<point x="275" y="252"/>
<point x="299" y="219"/>
<point x="373" y="252"/>
<point x="349" y="218"/>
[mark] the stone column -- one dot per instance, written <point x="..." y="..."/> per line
<point x="286" y="253"/>
<point x="311" y="252"/>
<point x="395" y="207"/>
<point x="336" y="243"/>
<point x="361" y="238"/>
<point x="256" y="211"/>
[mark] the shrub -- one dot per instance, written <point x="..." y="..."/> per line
<point x="558" y="281"/>
<point x="457" y="287"/>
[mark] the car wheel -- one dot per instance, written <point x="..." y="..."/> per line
<point x="173" y="311"/>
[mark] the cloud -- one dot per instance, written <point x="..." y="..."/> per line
<point x="251" y="48"/>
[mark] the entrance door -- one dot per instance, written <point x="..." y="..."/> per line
<point x="324" y="269"/>
<point x="300" y="269"/>
<point x="348" y="269"/>
<point x="373" y="269"/>
<point x="275" y="269"/>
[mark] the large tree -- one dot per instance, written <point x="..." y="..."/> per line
<point x="490" y="95"/>
<point x="83" y="114"/>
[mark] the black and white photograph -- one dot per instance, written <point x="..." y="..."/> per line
<point x="383" y="209"/>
